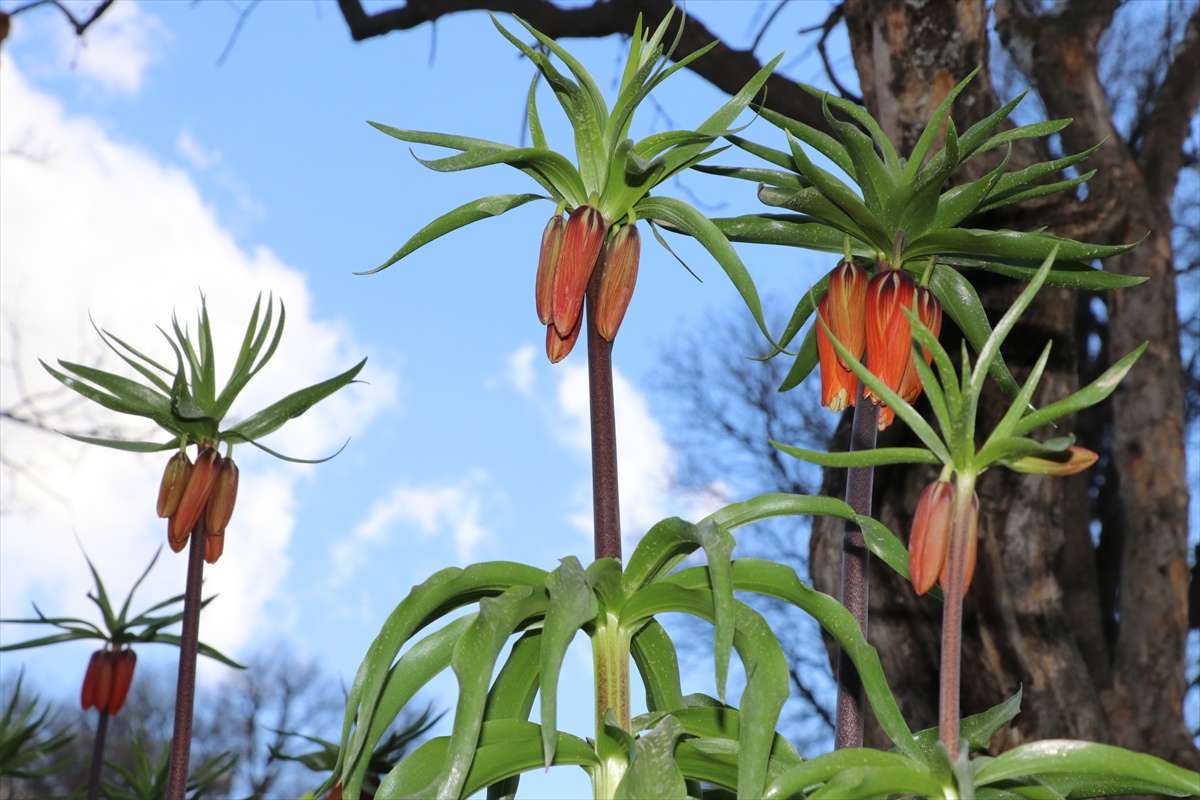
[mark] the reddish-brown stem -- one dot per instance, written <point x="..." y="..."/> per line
<point x="93" y="792"/>
<point x="856" y="565"/>
<point x="185" y="689"/>
<point x="606" y="505"/>
<point x="956" y="569"/>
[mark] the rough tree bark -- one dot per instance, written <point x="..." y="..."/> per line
<point x="1036" y="617"/>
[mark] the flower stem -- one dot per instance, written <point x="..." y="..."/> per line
<point x="606" y="506"/>
<point x="185" y="689"/>
<point x="856" y="564"/>
<point x="956" y="570"/>
<point x="93" y="792"/>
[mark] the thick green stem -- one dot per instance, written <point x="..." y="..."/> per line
<point x="610" y="653"/>
<point x="956" y="570"/>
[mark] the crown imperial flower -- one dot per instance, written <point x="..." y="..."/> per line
<point x="583" y="242"/>
<point x="889" y="333"/>
<point x="552" y="239"/>
<point x="930" y="538"/>
<point x="618" y="280"/>
<point x="195" y="497"/>
<point x="839" y="386"/>
<point x="174" y="481"/>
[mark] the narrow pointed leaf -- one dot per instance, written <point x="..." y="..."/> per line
<point x="571" y="606"/>
<point x="862" y="458"/>
<point x="275" y="415"/>
<point x="1091" y="394"/>
<point x="1103" y="763"/>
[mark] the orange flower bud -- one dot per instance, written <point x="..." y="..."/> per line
<point x="972" y="546"/>
<point x="889" y="334"/>
<point x="1073" y="460"/>
<point x="846" y="312"/>
<point x="174" y="480"/>
<point x="558" y="348"/>
<point x="213" y="547"/>
<point x="617" y="280"/>
<point x="839" y="386"/>
<point x="125" y="661"/>
<point x="929" y="311"/>
<point x="583" y="241"/>
<point x="104" y="681"/>
<point x="87" y="697"/>
<point x="223" y="497"/>
<point x="195" y="498"/>
<point x="930" y="538"/>
<point x="552" y="239"/>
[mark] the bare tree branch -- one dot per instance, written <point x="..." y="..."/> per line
<point x="1174" y="104"/>
<point x="835" y="16"/>
<point x="726" y="68"/>
<point x="80" y="25"/>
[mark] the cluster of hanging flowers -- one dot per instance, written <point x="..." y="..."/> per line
<point x="866" y="317"/>
<point x="188" y="491"/>
<point x="571" y="253"/>
<point x="106" y="683"/>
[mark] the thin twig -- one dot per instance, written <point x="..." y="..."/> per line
<point x="826" y="28"/>
<point x="237" y="30"/>
<point x="79" y="25"/>
<point x="763" y="30"/>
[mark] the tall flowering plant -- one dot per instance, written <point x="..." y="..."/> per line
<point x="195" y="497"/>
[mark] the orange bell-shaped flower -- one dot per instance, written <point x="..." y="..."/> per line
<point x="174" y="481"/>
<point x="617" y="280"/>
<point x="846" y="312"/>
<point x="87" y="696"/>
<point x="889" y="334"/>
<point x="558" y="348"/>
<point x="195" y="498"/>
<point x="582" y="244"/>
<point x="839" y="386"/>
<point x="929" y="311"/>
<point x="124" y="663"/>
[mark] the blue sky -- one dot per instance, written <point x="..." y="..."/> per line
<point x="137" y="169"/>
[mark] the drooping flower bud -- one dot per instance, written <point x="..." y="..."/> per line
<point x="558" y="348"/>
<point x="930" y="538"/>
<point x="583" y="241"/>
<point x="617" y="280"/>
<point x="174" y="481"/>
<point x="552" y="239"/>
<point x="972" y="547"/>
<point x="1072" y="460"/>
<point x="125" y="661"/>
<point x="104" y="681"/>
<point x="87" y="696"/>
<point x="929" y="311"/>
<point x="214" y="546"/>
<point x="839" y="386"/>
<point x="195" y="498"/>
<point x="223" y="497"/>
<point x="889" y="334"/>
<point x="846" y="312"/>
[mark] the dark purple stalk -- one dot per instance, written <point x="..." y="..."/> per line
<point x="185" y="689"/>
<point x="856" y="564"/>
<point x="606" y="505"/>
<point x="93" y="792"/>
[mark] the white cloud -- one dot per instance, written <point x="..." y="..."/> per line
<point x="115" y="51"/>
<point x="645" y="460"/>
<point x="520" y="369"/>
<point x="106" y="227"/>
<point x="197" y="155"/>
<point x="427" y="510"/>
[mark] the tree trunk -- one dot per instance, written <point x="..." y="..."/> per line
<point x="1040" y="614"/>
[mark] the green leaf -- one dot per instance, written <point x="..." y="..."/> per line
<point x="572" y="605"/>
<point x="804" y="310"/>
<point x="872" y="177"/>
<point x="723" y="722"/>
<point x="884" y="544"/>
<point x="961" y="303"/>
<point x="838" y="192"/>
<point x="862" y="458"/>
<point x="440" y="594"/>
<point x="957" y="204"/>
<point x="921" y="149"/>
<point x="777" y="580"/>
<point x="1021" y="195"/>
<point x="109" y="401"/>
<point x="556" y="169"/>
<point x="682" y="216"/>
<point x="535" y="122"/>
<point x="654" y="654"/>
<point x="1119" y="771"/>
<point x="473" y="660"/>
<point x="1068" y="274"/>
<point x="871" y="782"/>
<point x="768" y="154"/>
<point x="806" y="361"/>
<point x="772" y="177"/>
<point x="812" y="203"/>
<point x="653" y="773"/>
<point x="1091" y="394"/>
<point x="977" y="729"/>
<point x="121" y="444"/>
<point x="825" y="768"/>
<point x="1007" y="244"/>
<point x="979" y="131"/>
<point x="273" y="417"/>
<point x="860" y="116"/>
<point x="766" y="506"/>
<point x="662" y="548"/>
<point x="1007" y="426"/>
<point x="483" y="208"/>
<point x="1034" y="131"/>
<point x="823" y="143"/>
<point x="789" y="230"/>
